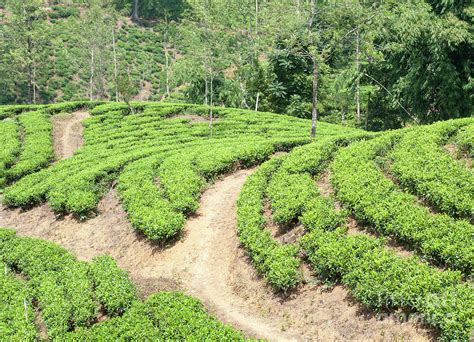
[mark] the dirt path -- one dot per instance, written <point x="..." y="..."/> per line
<point x="209" y="264"/>
<point x="67" y="133"/>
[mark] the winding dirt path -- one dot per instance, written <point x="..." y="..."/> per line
<point x="208" y="263"/>
<point x="67" y="133"/>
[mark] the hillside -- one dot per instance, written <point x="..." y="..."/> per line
<point x="352" y="236"/>
<point x="368" y="64"/>
<point x="194" y="170"/>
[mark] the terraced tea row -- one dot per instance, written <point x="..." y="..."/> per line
<point x="419" y="163"/>
<point x="138" y="149"/>
<point x="376" y="275"/>
<point x="162" y="157"/>
<point x="44" y="284"/>
<point x="375" y="199"/>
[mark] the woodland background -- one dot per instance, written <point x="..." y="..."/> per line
<point x="371" y="64"/>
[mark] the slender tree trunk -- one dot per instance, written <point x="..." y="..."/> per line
<point x="206" y="89"/>
<point x="256" y="101"/>
<point x="256" y="16"/>
<point x="102" y="93"/>
<point x="358" y="76"/>
<point x="314" y="109"/>
<point x="313" y="13"/>
<point x="244" y="92"/>
<point x="167" y="72"/>
<point x="367" y="114"/>
<point x="115" y="66"/>
<point x="212" y="104"/>
<point x="91" y="83"/>
<point x="135" y="16"/>
<point x="30" y="71"/>
<point x="34" y="83"/>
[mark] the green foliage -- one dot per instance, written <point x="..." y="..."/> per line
<point x="465" y="140"/>
<point x="16" y="310"/>
<point x="63" y="12"/>
<point x="37" y="147"/>
<point x="59" y="283"/>
<point x="277" y="262"/>
<point x="69" y="292"/>
<point x="113" y="289"/>
<point x="147" y="208"/>
<point x="420" y="164"/>
<point x="138" y="149"/>
<point x="399" y="62"/>
<point x="380" y="279"/>
<point x="10" y="142"/>
<point x="425" y="64"/>
<point x="126" y="88"/>
<point x="361" y="185"/>
<point x="163" y="316"/>
<point x="319" y="214"/>
<point x="288" y="194"/>
<point x="181" y="317"/>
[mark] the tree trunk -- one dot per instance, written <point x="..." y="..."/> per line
<point x="91" y="83"/>
<point x="212" y="104"/>
<point x="135" y="16"/>
<point x="115" y="66"/>
<point x="314" y="109"/>
<point x="358" y="76"/>
<point x="206" y="89"/>
<point x="256" y="101"/>
<point x="30" y="70"/>
<point x="367" y="114"/>
<point x="312" y="16"/>
<point x="167" y="72"/>
<point x="34" y="83"/>
<point x="256" y="16"/>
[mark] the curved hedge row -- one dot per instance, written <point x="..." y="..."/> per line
<point x="420" y="164"/>
<point x="114" y="139"/>
<point x="278" y="263"/>
<point x="113" y="289"/>
<point x="17" y="313"/>
<point x="37" y="148"/>
<point x="464" y="139"/>
<point x="380" y="279"/>
<point x="69" y="294"/>
<point x="143" y="199"/>
<point x="165" y="316"/>
<point x="373" y="198"/>
<point x="10" y="142"/>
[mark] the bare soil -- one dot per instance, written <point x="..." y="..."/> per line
<point x="67" y="133"/>
<point x="209" y="263"/>
<point x="193" y="118"/>
<point x="453" y="151"/>
<point x="145" y="91"/>
<point x="285" y="235"/>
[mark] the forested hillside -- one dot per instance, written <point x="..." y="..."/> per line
<point x="371" y="64"/>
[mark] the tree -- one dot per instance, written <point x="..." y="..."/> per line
<point x="98" y="49"/>
<point x="135" y="16"/>
<point x="425" y="71"/>
<point x="126" y="89"/>
<point x="25" y="47"/>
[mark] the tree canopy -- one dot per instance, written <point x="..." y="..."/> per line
<point x="373" y="64"/>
